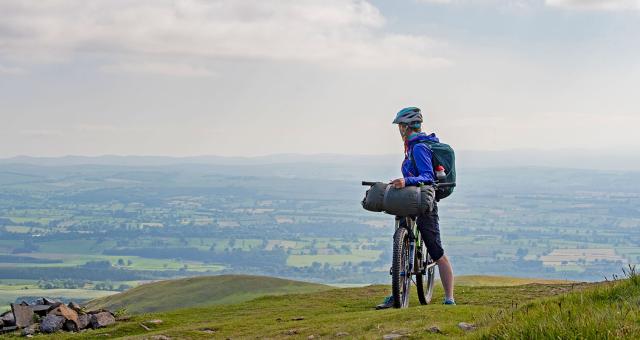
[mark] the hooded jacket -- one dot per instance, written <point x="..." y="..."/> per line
<point x="422" y="172"/>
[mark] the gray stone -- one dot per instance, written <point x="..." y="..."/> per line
<point x="48" y="301"/>
<point x="40" y="309"/>
<point x="67" y="313"/>
<point x="70" y="326"/>
<point x="154" y="321"/>
<point x="434" y="329"/>
<point x="83" y="321"/>
<point x="392" y="336"/>
<point x="342" y="334"/>
<point x="160" y="337"/>
<point x="76" y="307"/>
<point x="30" y="330"/>
<point x="7" y="329"/>
<point x="8" y="319"/>
<point x="51" y="324"/>
<point x="466" y="326"/>
<point x="102" y="319"/>
<point x="23" y="315"/>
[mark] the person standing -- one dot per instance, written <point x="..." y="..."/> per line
<point x="417" y="168"/>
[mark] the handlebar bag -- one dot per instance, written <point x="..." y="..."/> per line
<point x="408" y="201"/>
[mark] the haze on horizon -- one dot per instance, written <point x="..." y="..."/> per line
<point x="257" y="77"/>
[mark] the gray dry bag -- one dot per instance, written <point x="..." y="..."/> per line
<point x="408" y="201"/>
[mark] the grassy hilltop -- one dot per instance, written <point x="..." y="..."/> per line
<point x="201" y="291"/>
<point x="501" y="311"/>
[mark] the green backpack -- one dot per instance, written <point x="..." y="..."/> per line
<point x="441" y="154"/>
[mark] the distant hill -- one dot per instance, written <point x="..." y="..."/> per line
<point x="201" y="291"/>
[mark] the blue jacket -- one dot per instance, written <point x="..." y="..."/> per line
<point x="422" y="154"/>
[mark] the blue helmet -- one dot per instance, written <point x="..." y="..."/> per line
<point x="410" y="116"/>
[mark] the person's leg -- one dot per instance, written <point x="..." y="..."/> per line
<point x="430" y="229"/>
<point x="446" y="276"/>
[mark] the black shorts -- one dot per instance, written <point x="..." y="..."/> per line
<point x="429" y="227"/>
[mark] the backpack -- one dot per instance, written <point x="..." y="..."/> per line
<point x="441" y="154"/>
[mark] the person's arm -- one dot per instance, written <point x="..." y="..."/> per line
<point x="422" y="157"/>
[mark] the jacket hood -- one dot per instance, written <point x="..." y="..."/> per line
<point x="420" y="137"/>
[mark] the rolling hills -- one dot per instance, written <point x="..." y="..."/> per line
<point x="201" y="291"/>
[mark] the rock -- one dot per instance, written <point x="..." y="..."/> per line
<point x="342" y="334"/>
<point x="40" y="309"/>
<point x="83" y="321"/>
<point x="466" y="326"/>
<point x="67" y="313"/>
<point x="434" y="329"/>
<point x="23" y="315"/>
<point x="291" y="332"/>
<point x="102" y="319"/>
<point x="311" y="337"/>
<point x="7" y="329"/>
<point x="30" y="330"/>
<point x="392" y="336"/>
<point x="51" y="323"/>
<point x="76" y="307"/>
<point x="8" y="319"/>
<point x="297" y="318"/>
<point x="47" y="301"/>
<point x="154" y="322"/>
<point x="208" y="330"/>
<point x="160" y="337"/>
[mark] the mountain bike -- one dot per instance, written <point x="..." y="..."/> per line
<point x="410" y="260"/>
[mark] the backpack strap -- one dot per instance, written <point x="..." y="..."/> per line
<point x="413" y="160"/>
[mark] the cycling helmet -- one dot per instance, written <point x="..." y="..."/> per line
<point x="410" y="116"/>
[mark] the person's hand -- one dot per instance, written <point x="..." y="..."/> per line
<point x="398" y="183"/>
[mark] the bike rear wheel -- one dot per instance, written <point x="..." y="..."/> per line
<point x="425" y="289"/>
<point x="400" y="275"/>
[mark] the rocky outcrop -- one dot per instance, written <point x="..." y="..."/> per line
<point x="49" y="316"/>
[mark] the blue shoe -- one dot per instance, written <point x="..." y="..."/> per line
<point x="388" y="303"/>
<point x="449" y="302"/>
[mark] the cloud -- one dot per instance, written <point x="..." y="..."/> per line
<point x="164" y="69"/>
<point x="609" y="5"/>
<point x="334" y="32"/>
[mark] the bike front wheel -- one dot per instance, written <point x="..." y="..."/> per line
<point x="400" y="269"/>
<point x="427" y="273"/>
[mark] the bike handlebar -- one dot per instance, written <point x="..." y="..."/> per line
<point x="436" y="185"/>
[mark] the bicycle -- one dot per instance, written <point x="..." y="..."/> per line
<point x="410" y="258"/>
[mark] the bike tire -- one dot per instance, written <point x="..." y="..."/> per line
<point x="399" y="269"/>
<point x="425" y="289"/>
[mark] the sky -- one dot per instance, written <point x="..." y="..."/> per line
<point x="259" y="77"/>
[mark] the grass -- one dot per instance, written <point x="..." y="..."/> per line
<point x="501" y="311"/>
<point x="326" y="313"/>
<point x="201" y="291"/>
<point x="610" y="310"/>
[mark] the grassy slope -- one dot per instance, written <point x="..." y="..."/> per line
<point x="201" y="291"/>
<point x="531" y="311"/>
<point x="610" y="310"/>
<point x="328" y="312"/>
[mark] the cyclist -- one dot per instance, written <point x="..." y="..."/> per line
<point x="409" y="122"/>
